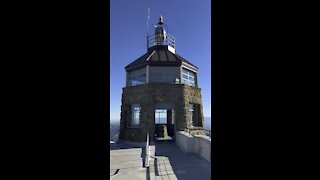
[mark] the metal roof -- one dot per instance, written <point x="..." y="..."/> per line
<point x="158" y="56"/>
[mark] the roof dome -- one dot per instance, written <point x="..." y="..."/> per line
<point x="159" y="56"/>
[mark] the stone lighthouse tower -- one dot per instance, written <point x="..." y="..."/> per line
<point x="161" y="95"/>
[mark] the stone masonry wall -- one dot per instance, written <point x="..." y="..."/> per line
<point x="146" y="95"/>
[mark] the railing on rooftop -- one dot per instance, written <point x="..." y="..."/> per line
<point x="169" y="40"/>
<point x="147" y="158"/>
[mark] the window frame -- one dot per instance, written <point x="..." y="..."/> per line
<point x="131" y="112"/>
<point x="187" y="75"/>
<point x="138" y="79"/>
<point x="194" y="115"/>
<point x="158" y="117"/>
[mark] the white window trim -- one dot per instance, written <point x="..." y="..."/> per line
<point x="188" y="74"/>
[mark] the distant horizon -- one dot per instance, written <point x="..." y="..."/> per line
<point x="119" y="118"/>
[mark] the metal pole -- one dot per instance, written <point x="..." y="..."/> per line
<point x="148" y="17"/>
<point x="147" y="152"/>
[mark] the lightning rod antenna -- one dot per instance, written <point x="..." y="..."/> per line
<point x="148" y="17"/>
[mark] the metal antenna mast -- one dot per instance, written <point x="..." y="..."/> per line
<point x="148" y="27"/>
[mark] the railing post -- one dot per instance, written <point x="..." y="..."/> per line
<point x="147" y="159"/>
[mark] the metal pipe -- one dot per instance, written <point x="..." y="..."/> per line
<point x="147" y="159"/>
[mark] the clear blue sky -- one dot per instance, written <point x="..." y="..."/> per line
<point x="189" y="22"/>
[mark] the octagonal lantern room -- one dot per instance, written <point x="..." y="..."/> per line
<point x="161" y="94"/>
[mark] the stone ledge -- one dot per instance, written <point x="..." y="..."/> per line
<point x="199" y="144"/>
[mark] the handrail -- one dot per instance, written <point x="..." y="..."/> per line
<point x="151" y="41"/>
<point x="147" y="158"/>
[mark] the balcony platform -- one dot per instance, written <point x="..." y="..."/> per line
<point x="167" y="162"/>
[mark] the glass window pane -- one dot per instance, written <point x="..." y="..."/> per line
<point x="184" y="71"/>
<point x="184" y="76"/>
<point x="188" y="77"/>
<point x="135" y="120"/>
<point x="161" y="116"/>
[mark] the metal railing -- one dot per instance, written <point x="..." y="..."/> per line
<point x="147" y="158"/>
<point x="169" y="40"/>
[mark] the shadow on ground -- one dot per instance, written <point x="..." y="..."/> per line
<point x="170" y="159"/>
<point x="167" y="162"/>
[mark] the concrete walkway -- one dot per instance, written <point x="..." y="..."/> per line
<point x="168" y="162"/>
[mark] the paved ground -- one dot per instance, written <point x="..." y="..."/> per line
<point x="168" y="162"/>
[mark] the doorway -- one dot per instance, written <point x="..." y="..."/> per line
<point x="164" y="119"/>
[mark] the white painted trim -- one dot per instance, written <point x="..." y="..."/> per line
<point x="180" y="74"/>
<point x="187" y="66"/>
<point x="151" y="55"/>
<point x="171" y="49"/>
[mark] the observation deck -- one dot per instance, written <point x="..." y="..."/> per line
<point x="167" y="161"/>
<point x="168" y="40"/>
